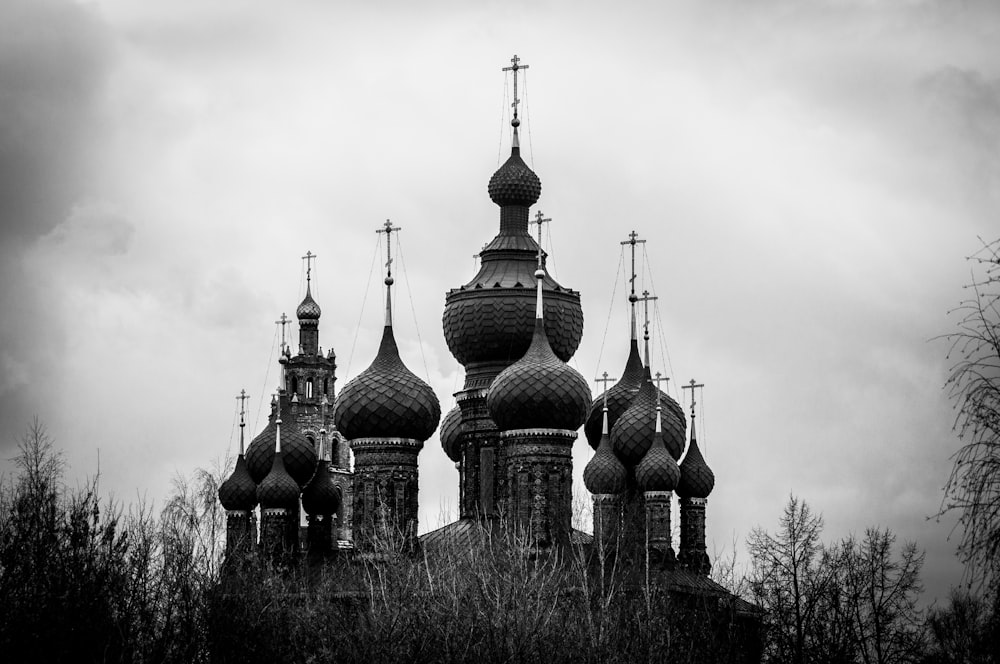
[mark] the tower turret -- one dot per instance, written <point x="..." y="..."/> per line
<point x="238" y="495"/>
<point x="538" y="403"/>
<point x="657" y="475"/>
<point x="278" y="495"/>
<point x="605" y="477"/>
<point x="386" y="412"/>
<point x="696" y="483"/>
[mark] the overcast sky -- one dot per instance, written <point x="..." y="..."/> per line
<point x="809" y="177"/>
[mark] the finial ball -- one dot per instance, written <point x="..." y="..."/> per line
<point x="539" y="273"/>
<point x="516" y="122"/>
<point x="389" y="281"/>
<point x="633" y="298"/>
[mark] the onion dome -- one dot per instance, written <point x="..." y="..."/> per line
<point x="632" y="434"/>
<point x="539" y="391"/>
<point x="489" y="322"/>
<point x="387" y="400"/>
<point x="299" y="451"/>
<point x="451" y="434"/>
<point x="697" y="479"/>
<point x="308" y="309"/>
<point x="321" y="497"/>
<point x="620" y="395"/>
<point x="658" y="471"/>
<point x="604" y="473"/>
<point x="278" y="490"/>
<point x="514" y="183"/>
<point x="239" y="492"/>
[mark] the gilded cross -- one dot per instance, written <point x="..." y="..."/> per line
<point x="283" y="321"/>
<point x="388" y="229"/>
<point x="515" y="67"/>
<point x="633" y="239"/>
<point x="540" y="219"/>
<point x="691" y="386"/>
<point x="605" y="380"/>
<point x="309" y="258"/>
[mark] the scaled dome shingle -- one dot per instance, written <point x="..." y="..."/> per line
<point x="309" y="308"/>
<point x="451" y="434"/>
<point x="239" y="492"/>
<point x="299" y="451"/>
<point x="620" y="396"/>
<point x="514" y="183"/>
<point x="697" y="479"/>
<point x="633" y="432"/>
<point x="538" y="391"/>
<point x="387" y="400"/>
<point x="604" y="473"/>
<point x="278" y="490"/>
<point x="658" y="471"/>
<point x="321" y="495"/>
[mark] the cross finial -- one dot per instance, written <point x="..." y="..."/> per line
<point x="309" y="258"/>
<point x="515" y="67"/>
<point x="692" y="385"/>
<point x="657" y="379"/>
<point x="646" y="299"/>
<point x="388" y="229"/>
<point x="540" y="219"/>
<point x="605" y="381"/>
<point x="633" y="239"/>
<point x="283" y="321"/>
<point x="242" y="397"/>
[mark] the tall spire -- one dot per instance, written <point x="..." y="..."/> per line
<point x="388" y="229"/>
<point x="515" y="121"/>
<point x="243" y="396"/>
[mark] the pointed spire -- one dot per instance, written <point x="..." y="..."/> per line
<point x="540" y="271"/>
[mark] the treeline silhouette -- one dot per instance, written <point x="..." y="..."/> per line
<point x="85" y="580"/>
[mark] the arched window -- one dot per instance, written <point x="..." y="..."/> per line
<point x="295" y="384"/>
<point x="326" y="386"/>
<point x="309" y="388"/>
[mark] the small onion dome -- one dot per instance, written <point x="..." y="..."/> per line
<point x="632" y="434"/>
<point x="604" y="473"/>
<point x="697" y="479"/>
<point x="299" y="451"/>
<point x="514" y="183"/>
<point x="539" y="391"/>
<point x="309" y="309"/>
<point x="451" y="434"/>
<point x="278" y="490"/>
<point x="239" y="492"/>
<point x="620" y="395"/>
<point x="658" y="471"/>
<point x="320" y="497"/>
<point x="387" y="400"/>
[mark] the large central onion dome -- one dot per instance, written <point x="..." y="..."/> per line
<point x="239" y="492"/>
<point x="387" y="400"/>
<point x="539" y="391"/>
<point x="489" y="322"/>
<point x="299" y="452"/>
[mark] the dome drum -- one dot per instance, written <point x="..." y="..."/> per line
<point x="494" y="326"/>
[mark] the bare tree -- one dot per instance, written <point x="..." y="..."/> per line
<point x="880" y="593"/>
<point x="789" y="580"/>
<point x="973" y="489"/>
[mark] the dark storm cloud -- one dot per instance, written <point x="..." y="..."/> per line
<point x="54" y="56"/>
